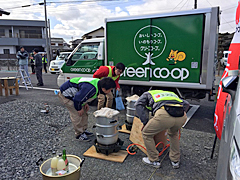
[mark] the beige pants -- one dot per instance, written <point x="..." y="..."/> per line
<point x="101" y="100"/>
<point x="162" y="121"/>
<point x="80" y="123"/>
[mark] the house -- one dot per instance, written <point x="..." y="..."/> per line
<point x="16" y="33"/>
<point x="97" y="33"/>
<point x="75" y="42"/>
<point x="224" y="41"/>
<point x="59" y="45"/>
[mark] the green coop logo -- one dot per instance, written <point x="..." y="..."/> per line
<point x="149" y="43"/>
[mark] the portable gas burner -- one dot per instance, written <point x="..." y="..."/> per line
<point x="107" y="149"/>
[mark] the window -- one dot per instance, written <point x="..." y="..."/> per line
<point x="10" y="33"/>
<point x="2" y="32"/>
<point x="6" y="51"/>
<point x="31" y="33"/>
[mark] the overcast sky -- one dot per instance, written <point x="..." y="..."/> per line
<point x="73" y="19"/>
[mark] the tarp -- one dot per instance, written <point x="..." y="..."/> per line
<point x="106" y="112"/>
<point x="132" y="98"/>
<point x="232" y="64"/>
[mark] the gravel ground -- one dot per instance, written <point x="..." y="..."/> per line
<point x="27" y="134"/>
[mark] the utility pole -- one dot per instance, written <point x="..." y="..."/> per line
<point x="46" y="30"/>
<point x="195" y="4"/>
<point x="50" y="41"/>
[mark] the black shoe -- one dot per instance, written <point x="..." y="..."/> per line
<point x="40" y="84"/>
<point x="88" y="133"/>
<point x="83" y="137"/>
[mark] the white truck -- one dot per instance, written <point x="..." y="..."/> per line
<point x="172" y="51"/>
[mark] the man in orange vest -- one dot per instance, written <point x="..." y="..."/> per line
<point x="108" y="71"/>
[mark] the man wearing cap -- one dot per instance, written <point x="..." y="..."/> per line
<point x="22" y="57"/>
<point x="169" y="114"/>
<point x="38" y="66"/>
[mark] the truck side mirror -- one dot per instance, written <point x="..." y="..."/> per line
<point x="230" y="83"/>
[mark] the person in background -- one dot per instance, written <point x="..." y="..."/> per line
<point x="169" y="114"/>
<point x="113" y="72"/>
<point x="32" y="63"/>
<point x="22" y="57"/>
<point x="38" y="66"/>
<point x="44" y="61"/>
<point x="75" y="94"/>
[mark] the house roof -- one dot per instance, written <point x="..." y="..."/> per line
<point x="76" y="41"/>
<point x="15" y="22"/>
<point x="92" y="31"/>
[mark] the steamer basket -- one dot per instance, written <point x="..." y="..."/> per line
<point x="131" y="111"/>
<point x="130" y="104"/>
<point x="130" y="118"/>
<point x="105" y="120"/>
<point x="107" y="139"/>
<point x="107" y="129"/>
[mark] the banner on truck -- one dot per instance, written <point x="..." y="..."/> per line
<point x="232" y="64"/>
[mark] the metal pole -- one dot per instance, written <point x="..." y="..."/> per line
<point x="195" y="4"/>
<point x="50" y="41"/>
<point x="46" y="30"/>
<point x="213" y="148"/>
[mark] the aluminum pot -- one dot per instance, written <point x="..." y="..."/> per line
<point x="131" y="103"/>
<point x="74" y="175"/>
<point x="107" y="129"/>
<point x="130" y="118"/>
<point x="105" y="120"/>
<point x="107" y="139"/>
<point x="11" y="80"/>
<point x="131" y="111"/>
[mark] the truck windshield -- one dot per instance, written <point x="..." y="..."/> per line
<point x="86" y="51"/>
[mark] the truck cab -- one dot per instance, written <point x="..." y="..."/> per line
<point x="85" y="59"/>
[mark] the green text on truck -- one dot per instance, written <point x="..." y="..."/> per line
<point x="173" y="51"/>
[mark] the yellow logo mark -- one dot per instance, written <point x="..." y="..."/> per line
<point x="176" y="56"/>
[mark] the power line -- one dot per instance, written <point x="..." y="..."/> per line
<point x="28" y="5"/>
<point x="183" y="4"/>
<point x="230" y="8"/>
<point x="177" y="5"/>
<point x="79" y="1"/>
<point x="62" y="2"/>
<point x="228" y="22"/>
<point x="209" y="3"/>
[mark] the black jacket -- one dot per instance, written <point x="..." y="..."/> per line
<point x="38" y="60"/>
